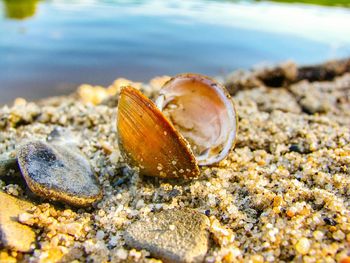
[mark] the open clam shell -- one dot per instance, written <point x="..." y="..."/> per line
<point x="149" y="141"/>
<point x="203" y="112"/>
<point x="195" y="123"/>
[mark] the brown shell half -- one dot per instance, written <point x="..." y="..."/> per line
<point x="149" y="141"/>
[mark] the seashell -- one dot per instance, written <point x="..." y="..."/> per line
<point x="149" y="141"/>
<point x="193" y="122"/>
<point x="203" y="112"/>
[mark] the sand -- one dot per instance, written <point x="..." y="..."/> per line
<point x="281" y="195"/>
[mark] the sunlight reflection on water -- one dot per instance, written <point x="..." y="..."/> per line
<point x="71" y="42"/>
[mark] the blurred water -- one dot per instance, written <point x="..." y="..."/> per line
<point x="64" y="43"/>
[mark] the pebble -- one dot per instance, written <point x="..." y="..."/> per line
<point x="329" y="221"/>
<point x="171" y="235"/>
<point x="312" y="105"/>
<point x="338" y="235"/>
<point x="318" y="235"/>
<point x="295" y="148"/>
<point x="345" y="260"/>
<point x="58" y="172"/>
<point x="15" y="235"/>
<point x="303" y="246"/>
<point x="122" y="254"/>
<point x="100" y="234"/>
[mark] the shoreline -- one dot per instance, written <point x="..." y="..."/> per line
<point x="282" y="194"/>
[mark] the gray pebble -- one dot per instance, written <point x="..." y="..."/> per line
<point x="311" y="104"/>
<point x="14" y="235"/>
<point x="58" y="172"/>
<point x="172" y="235"/>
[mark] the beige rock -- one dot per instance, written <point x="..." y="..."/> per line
<point x="92" y="94"/>
<point x="13" y="234"/>
<point x="6" y="258"/>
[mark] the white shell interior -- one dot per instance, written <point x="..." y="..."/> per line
<point x="201" y="111"/>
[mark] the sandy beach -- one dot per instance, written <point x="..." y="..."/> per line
<point x="282" y="194"/>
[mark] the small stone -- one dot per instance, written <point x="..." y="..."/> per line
<point x="92" y="94"/>
<point x="332" y="228"/>
<point x="345" y="260"/>
<point x="100" y="234"/>
<point x="318" y="235"/>
<point x="338" y="235"/>
<point x="5" y="257"/>
<point x="73" y="229"/>
<point x="295" y="148"/>
<point x="122" y="254"/>
<point x="54" y="254"/>
<point x="257" y="259"/>
<point x="14" y="235"/>
<point x="26" y="218"/>
<point x="58" y="172"/>
<point x="140" y="204"/>
<point x="303" y="246"/>
<point x="185" y="241"/>
<point x="174" y="193"/>
<point x="291" y="212"/>
<point x="348" y="238"/>
<point x="312" y="105"/>
<point x="329" y="221"/>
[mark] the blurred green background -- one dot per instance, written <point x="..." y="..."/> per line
<point x="21" y="9"/>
